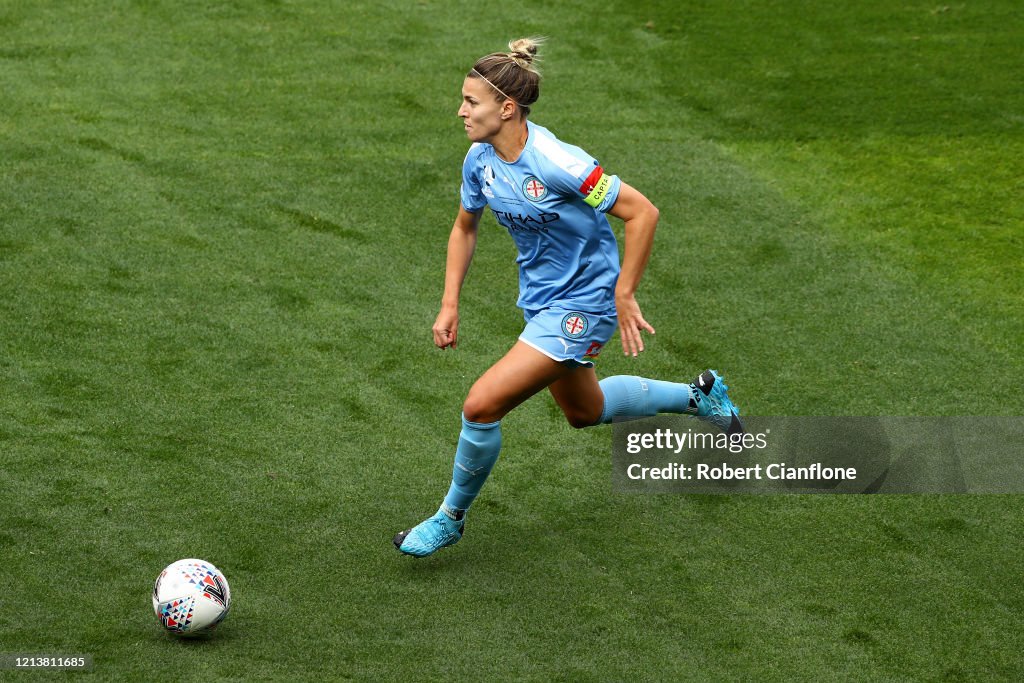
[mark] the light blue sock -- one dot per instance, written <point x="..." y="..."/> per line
<point x="479" y="445"/>
<point x="629" y="396"/>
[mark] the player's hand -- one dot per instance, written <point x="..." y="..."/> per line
<point x="631" y="322"/>
<point x="446" y="328"/>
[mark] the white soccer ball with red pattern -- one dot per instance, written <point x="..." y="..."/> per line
<point x="191" y="597"/>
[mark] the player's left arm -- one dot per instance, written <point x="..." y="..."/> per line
<point x="641" y="219"/>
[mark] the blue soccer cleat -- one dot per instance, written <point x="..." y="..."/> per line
<point x="430" y="535"/>
<point x="713" y="405"/>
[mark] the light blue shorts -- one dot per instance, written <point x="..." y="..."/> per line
<point x="568" y="336"/>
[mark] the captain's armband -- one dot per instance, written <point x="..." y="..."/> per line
<point x="595" y="187"/>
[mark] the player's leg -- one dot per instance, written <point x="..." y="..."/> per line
<point x="521" y="373"/>
<point x="586" y="402"/>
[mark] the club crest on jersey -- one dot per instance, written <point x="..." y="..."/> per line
<point x="574" y="325"/>
<point x="534" y="189"/>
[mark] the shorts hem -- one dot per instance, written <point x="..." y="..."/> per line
<point x="574" y="361"/>
<point x="544" y="351"/>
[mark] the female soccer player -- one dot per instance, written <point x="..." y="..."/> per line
<point x="552" y="197"/>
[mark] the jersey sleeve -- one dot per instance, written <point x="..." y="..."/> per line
<point x="471" y="193"/>
<point x="574" y="174"/>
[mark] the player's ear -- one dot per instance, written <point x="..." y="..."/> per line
<point x="508" y="110"/>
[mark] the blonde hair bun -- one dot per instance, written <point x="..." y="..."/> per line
<point x="524" y="51"/>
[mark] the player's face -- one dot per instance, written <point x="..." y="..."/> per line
<point x="480" y="112"/>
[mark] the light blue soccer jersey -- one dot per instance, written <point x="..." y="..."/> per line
<point x="552" y="201"/>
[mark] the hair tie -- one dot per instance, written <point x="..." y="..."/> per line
<point x="500" y="91"/>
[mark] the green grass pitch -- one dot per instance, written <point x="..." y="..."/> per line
<point x="222" y="235"/>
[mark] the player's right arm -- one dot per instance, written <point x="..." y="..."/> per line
<point x="461" y="245"/>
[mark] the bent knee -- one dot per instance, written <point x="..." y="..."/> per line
<point x="477" y="409"/>
<point x="580" y="420"/>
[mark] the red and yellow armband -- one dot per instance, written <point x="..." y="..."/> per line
<point x="595" y="187"/>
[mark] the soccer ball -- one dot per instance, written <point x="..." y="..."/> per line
<point x="191" y="597"/>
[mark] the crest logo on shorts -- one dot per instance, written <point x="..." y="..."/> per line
<point x="574" y="325"/>
<point x="534" y="189"/>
